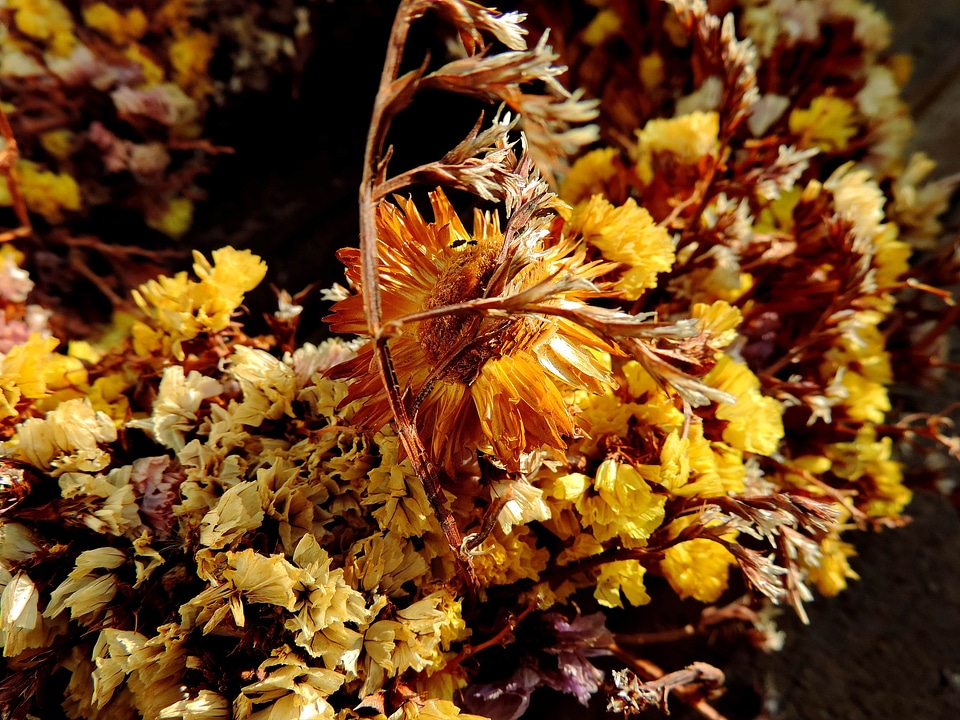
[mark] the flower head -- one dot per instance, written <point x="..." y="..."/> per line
<point x="494" y="383"/>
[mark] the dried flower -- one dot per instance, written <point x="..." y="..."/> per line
<point x="493" y="384"/>
<point x="685" y="372"/>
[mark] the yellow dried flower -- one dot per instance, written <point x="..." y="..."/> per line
<point x="831" y="575"/>
<point x="237" y="512"/>
<point x="385" y="563"/>
<point x="628" y="235"/>
<point x="687" y="138"/>
<point x="866" y="400"/>
<point x="176" y="406"/>
<point x="325" y="605"/>
<point x="24" y="372"/>
<point x="828" y="123"/>
<point x="46" y="20"/>
<point x="697" y="568"/>
<point x="180" y="210"/>
<point x="651" y="71"/>
<point x="232" y="273"/>
<point x="121" y="28"/>
<point x="145" y="558"/>
<point x="109" y="504"/>
<point x="268" y="385"/>
<point x="262" y="579"/>
<point x="403" y="505"/>
<point x="86" y="592"/>
<point x="22" y="626"/>
<point x="859" y="199"/>
<point x="179" y="309"/>
<point x="190" y="55"/>
<point x="432" y="710"/>
<point x="622" y="576"/>
<point x="504" y="559"/>
<point x="503" y="392"/>
<point x="58" y="143"/>
<point x="719" y="322"/>
<point x="621" y="505"/>
<point x="47" y="193"/>
<point x="174" y="218"/>
<point x="866" y="462"/>
<point x="291" y="690"/>
<point x="207" y="705"/>
<point x="107" y="395"/>
<point x="605" y="24"/>
<point x="588" y="175"/>
<point x="68" y="439"/>
<point x="754" y="422"/>
<point x="524" y="503"/>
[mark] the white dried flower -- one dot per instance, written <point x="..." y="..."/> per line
<point x="176" y="407"/>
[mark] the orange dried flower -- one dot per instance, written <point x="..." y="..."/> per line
<point x="493" y="383"/>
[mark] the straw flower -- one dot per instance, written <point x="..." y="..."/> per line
<point x="494" y="384"/>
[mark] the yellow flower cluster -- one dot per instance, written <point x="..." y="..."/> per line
<point x="47" y="21"/>
<point x="137" y="79"/>
<point x="181" y="309"/>
<point x="46" y="193"/>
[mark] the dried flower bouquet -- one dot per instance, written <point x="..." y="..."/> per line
<point x="660" y="352"/>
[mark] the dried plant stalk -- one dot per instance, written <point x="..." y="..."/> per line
<point x="8" y="167"/>
<point x="484" y="164"/>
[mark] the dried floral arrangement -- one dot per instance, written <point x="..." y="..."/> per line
<point x="108" y="103"/>
<point x="660" y="350"/>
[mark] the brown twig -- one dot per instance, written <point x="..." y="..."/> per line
<point x="689" y="685"/>
<point x="388" y="101"/>
<point x="710" y="617"/>
<point x="8" y="166"/>
<point x="499" y="638"/>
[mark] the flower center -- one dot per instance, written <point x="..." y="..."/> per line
<point x="464" y="280"/>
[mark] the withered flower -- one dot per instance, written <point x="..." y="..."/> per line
<point x="493" y="383"/>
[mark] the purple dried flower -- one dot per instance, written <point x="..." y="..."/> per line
<point x="158" y="486"/>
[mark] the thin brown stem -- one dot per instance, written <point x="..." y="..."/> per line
<point x="8" y="162"/>
<point x="948" y="320"/>
<point x="499" y="638"/>
<point x="374" y="171"/>
<point x="710" y="617"/>
<point x="688" y="684"/>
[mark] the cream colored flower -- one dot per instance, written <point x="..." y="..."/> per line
<point x="68" y="439"/>
<point x="262" y="579"/>
<point x="177" y="405"/>
<point x="290" y="690"/>
<point x="238" y="511"/>
<point x="87" y="590"/>
<point x="109" y="501"/>
<point x="524" y="503"/>
<point x="206" y="705"/>
<point x="268" y="385"/>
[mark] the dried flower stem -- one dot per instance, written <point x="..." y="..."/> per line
<point x="688" y="684"/>
<point x="510" y="624"/>
<point x="79" y="264"/>
<point x="8" y="166"/>
<point x="842" y="497"/>
<point x="710" y="617"/>
<point x="374" y="168"/>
